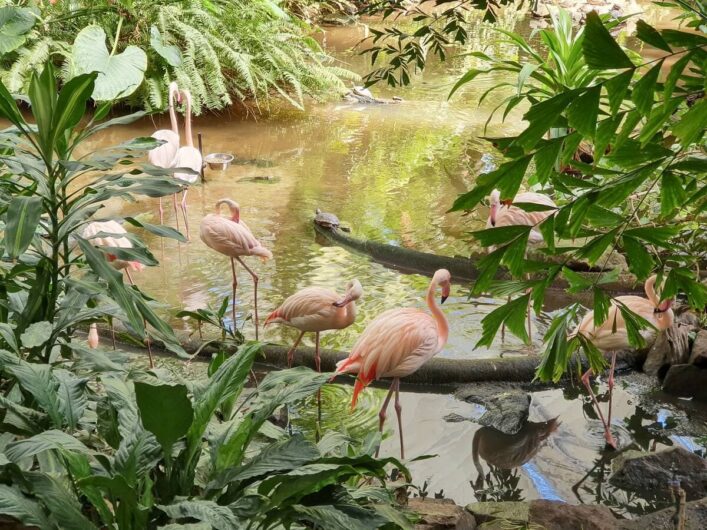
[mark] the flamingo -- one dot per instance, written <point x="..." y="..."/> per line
<point x="112" y="239"/>
<point x="612" y="335"/>
<point x="164" y="155"/>
<point x="396" y="344"/>
<point x="503" y="213"/>
<point x="93" y="336"/>
<point x="232" y="237"/>
<point x="188" y="157"/>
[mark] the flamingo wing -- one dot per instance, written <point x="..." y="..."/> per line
<point x="164" y="155"/>
<point x="230" y="238"/>
<point x="605" y="337"/>
<point x="107" y="227"/>
<point x="190" y="158"/>
<point x="311" y="309"/>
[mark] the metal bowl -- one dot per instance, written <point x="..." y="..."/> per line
<point x="218" y="160"/>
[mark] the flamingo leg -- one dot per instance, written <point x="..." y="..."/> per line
<point x="112" y="331"/>
<point x="611" y="383"/>
<point x="398" y="412"/>
<point x="184" y="213"/>
<point x="161" y="212"/>
<point x="291" y="353"/>
<point x="234" y="285"/>
<point x="607" y="431"/>
<point x="503" y="326"/>
<point x="176" y="209"/>
<point x="255" y="294"/>
<point x="381" y="414"/>
<point x="147" y="337"/>
<point x="318" y="362"/>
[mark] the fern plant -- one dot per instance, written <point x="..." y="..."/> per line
<point x="223" y="51"/>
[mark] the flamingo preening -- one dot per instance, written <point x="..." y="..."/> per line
<point x="396" y="344"/>
<point x="232" y="237"/>
<point x="188" y="157"/>
<point x="612" y="335"/>
<point x="164" y="156"/>
<point x="112" y="238"/>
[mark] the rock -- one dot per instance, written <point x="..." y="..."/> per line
<point x="556" y="515"/>
<point x="639" y="471"/>
<point x="670" y="347"/>
<point x="686" y="317"/>
<point x="698" y="357"/>
<point x="686" y="380"/>
<point x="695" y="518"/>
<point x="507" y="412"/>
<point x="441" y="514"/>
<point x="550" y="515"/>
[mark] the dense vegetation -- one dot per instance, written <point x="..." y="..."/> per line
<point x="223" y="51"/>
<point x="640" y="188"/>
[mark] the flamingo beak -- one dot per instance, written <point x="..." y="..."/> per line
<point x="342" y="303"/>
<point x="445" y="293"/>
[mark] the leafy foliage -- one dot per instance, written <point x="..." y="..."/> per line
<point x="223" y="51"/>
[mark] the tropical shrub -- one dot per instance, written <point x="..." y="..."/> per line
<point x="223" y="51"/>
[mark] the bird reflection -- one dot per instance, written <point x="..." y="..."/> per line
<point x="504" y="453"/>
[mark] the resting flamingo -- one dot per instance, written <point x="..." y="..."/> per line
<point x="164" y="156"/>
<point x="112" y="231"/>
<point x="188" y="157"/>
<point x="612" y="335"/>
<point x="503" y="213"/>
<point x="232" y="237"/>
<point x="396" y="344"/>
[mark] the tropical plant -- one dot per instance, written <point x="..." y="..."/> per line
<point x="53" y="279"/>
<point x="643" y="194"/>
<point x="222" y="51"/>
<point x="150" y="451"/>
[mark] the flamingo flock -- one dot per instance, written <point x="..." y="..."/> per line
<point x="398" y="341"/>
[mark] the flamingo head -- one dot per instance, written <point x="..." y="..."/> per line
<point x="233" y="206"/>
<point x="354" y="291"/>
<point x="174" y="93"/>
<point x="663" y="314"/>
<point x="494" y="205"/>
<point x="444" y="279"/>
<point x="186" y="94"/>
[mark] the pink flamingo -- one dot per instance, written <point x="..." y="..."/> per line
<point x="612" y="335"/>
<point x="232" y="237"/>
<point x="396" y="344"/>
<point x="188" y="157"/>
<point x="503" y="213"/>
<point x="112" y="238"/>
<point x="164" y="156"/>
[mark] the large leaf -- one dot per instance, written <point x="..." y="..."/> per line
<point x="599" y="47"/>
<point x="650" y="35"/>
<point x="72" y="396"/>
<point x="644" y="89"/>
<point x="691" y="126"/>
<point x="23" y="215"/>
<point x="160" y="230"/>
<point x="218" y="517"/>
<point x="42" y="442"/>
<point x="119" y="75"/>
<point x="165" y="411"/>
<point x="169" y="52"/>
<point x="63" y="506"/>
<point x="340" y="517"/>
<point x="512" y="314"/>
<point x="25" y="510"/>
<point x="15" y="24"/>
<point x="582" y="112"/>
<point x="36" y="334"/>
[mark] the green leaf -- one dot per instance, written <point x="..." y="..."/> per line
<point x="643" y="90"/>
<point x="559" y="349"/>
<point x="500" y="235"/>
<point x="616" y="88"/>
<point x="602" y="303"/>
<point x="661" y="236"/>
<point x="21" y="222"/>
<point x="640" y="261"/>
<point x="488" y="267"/>
<point x="28" y="511"/>
<point x="340" y="517"/>
<point x="683" y="280"/>
<point x="672" y="193"/>
<point x="466" y="78"/>
<point x="9" y="110"/>
<point x="582" y="112"/>
<point x="634" y="324"/>
<point x="219" y="517"/>
<point x="545" y="160"/>
<point x="119" y="75"/>
<point x="507" y="178"/>
<point x="599" y="47"/>
<point x="71" y="105"/>
<point x="512" y="314"/>
<point x="168" y="52"/>
<point x="42" y="442"/>
<point x="692" y="125"/>
<point x="36" y="334"/>
<point x="165" y="410"/>
<point x="542" y="116"/>
<point x="72" y="396"/>
<point x="674" y="74"/>
<point x="15" y="26"/>
<point x="63" y="506"/>
<point x="160" y="230"/>
<point x="650" y="35"/>
<point x="683" y="39"/>
<point x="577" y="282"/>
<point x="594" y="250"/>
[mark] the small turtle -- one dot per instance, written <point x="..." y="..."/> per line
<point x="328" y="220"/>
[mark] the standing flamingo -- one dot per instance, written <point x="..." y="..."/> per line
<point x="612" y="335"/>
<point x="232" y="237"/>
<point x="112" y="239"/>
<point x="396" y="344"/>
<point x="505" y="214"/>
<point x="164" y="156"/>
<point x="188" y="157"/>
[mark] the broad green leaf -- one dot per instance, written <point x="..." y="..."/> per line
<point x="640" y="261"/>
<point x="515" y="253"/>
<point x="28" y="511"/>
<point x="577" y="282"/>
<point x="9" y="110"/>
<point x="650" y="35"/>
<point x="72" y="396"/>
<point x="340" y="517"/>
<point x="119" y="75"/>
<point x="545" y="160"/>
<point x="674" y="74"/>
<point x="512" y="314"/>
<point x="692" y="124"/>
<point x="558" y="349"/>
<point x="160" y="230"/>
<point x="169" y="52"/>
<point x="42" y="442"/>
<point x="488" y="268"/>
<point x="466" y="78"/>
<point x="547" y="229"/>
<point x="36" y="334"/>
<point x="165" y="410"/>
<point x="602" y="303"/>
<point x="634" y="324"/>
<point x="507" y="178"/>
<point x="643" y="90"/>
<point x="595" y="248"/>
<point x="542" y="116"/>
<point x="15" y="25"/>
<point x="61" y="502"/>
<point x="616" y="88"/>
<point x="599" y="47"/>
<point x="500" y="235"/>
<point x="683" y="280"/>
<point x="683" y="38"/>
<point x="656" y="235"/>
<point x="23" y="215"/>
<point x="582" y="112"/>
<point x="217" y="516"/>
<point x="71" y="105"/>
<point x="672" y="193"/>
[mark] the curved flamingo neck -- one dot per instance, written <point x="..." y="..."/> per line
<point x="438" y="315"/>
<point x="173" y="114"/>
<point x="650" y="291"/>
<point x="187" y="124"/>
